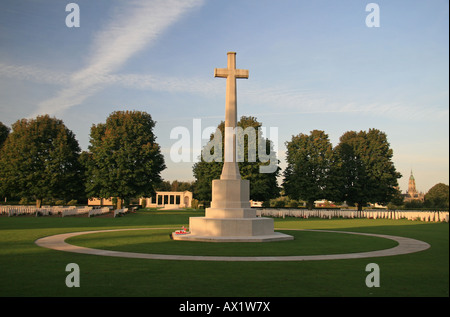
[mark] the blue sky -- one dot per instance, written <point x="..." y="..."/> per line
<point x="312" y="65"/>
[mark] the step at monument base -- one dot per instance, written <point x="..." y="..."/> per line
<point x="231" y="230"/>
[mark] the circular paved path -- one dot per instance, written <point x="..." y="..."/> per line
<point x="405" y="246"/>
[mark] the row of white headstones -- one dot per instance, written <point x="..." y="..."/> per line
<point x="57" y="210"/>
<point x="434" y="216"/>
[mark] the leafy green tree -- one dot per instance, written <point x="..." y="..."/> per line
<point x="311" y="171"/>
<point x="414" y="204"/>
<point x="263" y="186"/>
<point x="124" y="160"/>
<point x="175" y="186"/>
<point x="437" y="196"/>
<point x="4" y="132"/>
<point x="204" y="173"/>
<point x="352" y="171"/>
<point x="397" y="200"/>
<point x="164" y="186"/>
<point x="366" y="168"/>
<point x="39" y="159"/>
<point x="179" y="186"/>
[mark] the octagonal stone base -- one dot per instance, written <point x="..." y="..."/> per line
<point x="231" y="230"/>
<point x="276" y="236"/>
<point x="230" y="218"/>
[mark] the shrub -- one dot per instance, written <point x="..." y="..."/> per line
<point x="194" y="203"/>
<point x="24" y="201"/>
<point x="59" y="202"/>
<point x="278" y="203"/>
<point x="72" y="202"/>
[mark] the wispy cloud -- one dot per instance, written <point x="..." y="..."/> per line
<point x="166" y="83"/>
<point x="132" y="27"/>
<point x="286" y="101"/>
<point x="31" y="73"/>
<point x="289" y="101"/>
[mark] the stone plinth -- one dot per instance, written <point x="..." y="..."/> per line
<point x="230" y="193"/>
<point x="230" y="218"/>
<point x="230" y="199"/>
<point x="230" y="227"/>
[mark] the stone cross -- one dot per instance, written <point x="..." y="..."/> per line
<point x="230" y="218"/>
<point x="230" y="167"/>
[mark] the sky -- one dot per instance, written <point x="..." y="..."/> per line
<point x="312" y="65"/>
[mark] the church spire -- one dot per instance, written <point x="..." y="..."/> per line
<point x="412" y="185"/>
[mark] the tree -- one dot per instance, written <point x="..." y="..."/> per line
<point x="4" y="132"/>
<point x="366" y="168"/>
<point x="352" y="171"/>
<point x="204" y="173"/>
<point x="175" y="186"/>
<point x="164" y="186"/>
<point x="39" y="159"/>
<point x="124" y="159"/>
<point x="250" y="148"/>
<point x="397" y="200"/>
<point x="311" y="172"/>
<point x="179" y="186"/>
<point x="437" y="196"/>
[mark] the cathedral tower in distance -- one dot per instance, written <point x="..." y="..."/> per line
<point x="412" y="193"/>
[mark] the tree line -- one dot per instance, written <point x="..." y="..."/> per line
<point x="41" y="159"/>
<point x="358" y="170"/>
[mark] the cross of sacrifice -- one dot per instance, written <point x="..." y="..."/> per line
<point x="230" y="167"/>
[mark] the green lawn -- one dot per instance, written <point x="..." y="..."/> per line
<point x="305" y="243"/>
<point x="28" y="270"/>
